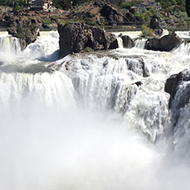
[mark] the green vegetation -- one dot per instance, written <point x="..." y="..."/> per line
<point x="146" y="31"/>
<point x="168" y="3"/>
<point x="62" y="4"/>
<point x="128" y="4"/>
<point x="166" y="10"/>
<point x="47" y="21"/>
<point x="14" y="3"/>
<point x="67" y="4"/>
<point x="20" y="33"/>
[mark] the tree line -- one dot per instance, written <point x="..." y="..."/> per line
<point x="13" y="3"/>
<point x="62" y="4"/>
<point x="66" y="4"/>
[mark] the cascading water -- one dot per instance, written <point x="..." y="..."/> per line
<point x="90" y="121"/>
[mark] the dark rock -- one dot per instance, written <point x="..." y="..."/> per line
<point x="155" y="24"/>
<point x="112" y="15"/>
<point x="76" y="36"/>
<point x="138" y="83"/>
<point x="175" y="80"/>
<point x="46" y="26"/>
<point x="166" y="43"/>
<point x="178" y="86"/>
<point x="127" y="42"/>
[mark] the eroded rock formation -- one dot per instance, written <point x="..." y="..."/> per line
<point x="25" y="28"/>
<point x="166" y="43"/>
<point x="77" y="36"/>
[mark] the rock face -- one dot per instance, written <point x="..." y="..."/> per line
<point x="175" y="81"/>
<point x="178" y="86"/>
<point x="166" y="43"/>
<point x="77" y="36"/>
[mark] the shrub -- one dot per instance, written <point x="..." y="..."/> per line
<point x="146" y="31"/>
<point x="47" y="22"/>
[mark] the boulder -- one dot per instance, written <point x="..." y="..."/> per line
<point x="166" y="43"/>
<point x="74" y="37"/>
<point x="127" y="42"/>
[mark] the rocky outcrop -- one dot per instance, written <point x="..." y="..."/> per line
<point x="155" y="24"/>
<point x="178" y="86"/>
<point x="166" y="43"/>
<point x="101" y="12"/>
<point x="174" y="82"/>
<point x="25" y="34"/>
<point x="77" y="36"/>
<point x="112" y="15"/>
<point x="127" y="42"/>
<point x="25" y="28"/>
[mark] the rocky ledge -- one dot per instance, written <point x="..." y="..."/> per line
<point x="75" y="37"/>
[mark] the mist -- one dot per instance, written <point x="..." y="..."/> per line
<point x="45" y="148"/>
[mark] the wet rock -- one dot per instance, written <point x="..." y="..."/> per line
<point x="175" y="80"/>
<point x="166" y="43"/>
<point x="138" y="83"/>
<point x="77" y="36"/>
<point x="178" y="86"/>
<point x="127" y="42"/>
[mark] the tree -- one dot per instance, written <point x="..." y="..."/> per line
<point x="188" y="7"/>
<point x="21" y="3"/>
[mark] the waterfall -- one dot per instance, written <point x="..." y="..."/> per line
<point x="91" y="121"/>
<point x="140" y="43"/>
<point x="52" y="89"/>
<point x="45" y="47"/>
<point x="9" y="46"/>
<point x="120" y="42"/>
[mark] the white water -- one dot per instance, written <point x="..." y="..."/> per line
<point x="83" y="122"/>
